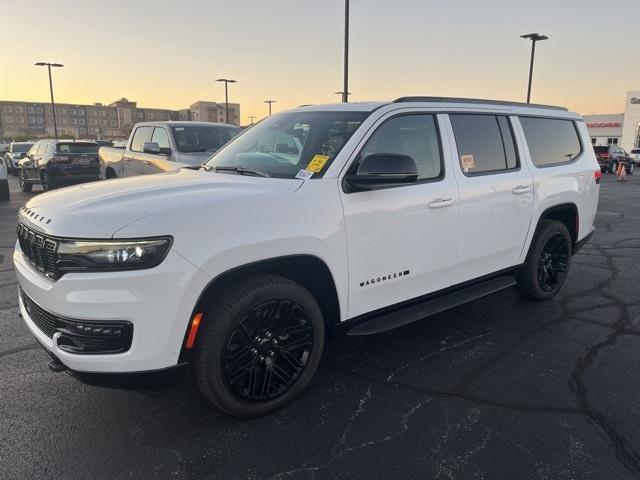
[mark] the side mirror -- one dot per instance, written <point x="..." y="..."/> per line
<point x="383" y="170"/>
<point x="150" y="147"/>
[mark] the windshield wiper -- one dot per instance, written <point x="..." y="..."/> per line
<point x="240" y="171"/>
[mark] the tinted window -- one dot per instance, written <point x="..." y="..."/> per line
<point x="551" y="141"/>
<point x="77" y="147"/>
<point x="413" y="135"/>
<point x="20" y="147"/>
<point x="202" y="138"/>
<point x="485" y="143"/>
<point x="161" y="137"/>
<point x="140" y="137"/>
<point x="635" y="150"/>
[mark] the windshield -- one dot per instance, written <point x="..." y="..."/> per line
<point x="282" y="145"/>
<point x="77" y="147"/>
<point x="202" y="138"/>
<point x="21" y="147"/>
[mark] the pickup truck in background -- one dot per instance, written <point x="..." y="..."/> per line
<point x="156" y="147"/>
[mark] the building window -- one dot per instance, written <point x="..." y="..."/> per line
<point x="32" y="119"/>
<point x="92" y="113"/>
<point x="40" y="120"/>
<point x="39" y="110"/>
<point x="8" y="109"/>
<point x="638" y="136"/>
<point x="103" y="113"/>
<point x="593" y="140"/>
<point x="8" y="119"/>
<point x="31" y="110"/>
<point x="93" y="121"/>
<point x="114" y="123"/>
<point x="19" y="119"/>
<point x="19" y="110"/>
<point x="612" y="141"/>
<point x="82" y="121"/>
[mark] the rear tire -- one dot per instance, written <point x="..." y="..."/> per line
<point x="614" y="167"/>
<point x="45" y="182"/>
<point x="547" y="264"/>
<point x="631" y="168"/>
<point x="25" y="186"/>
<point x="259" y="345"/>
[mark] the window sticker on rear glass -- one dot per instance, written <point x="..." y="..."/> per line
<point x="467" y="162"/>
<point x="179" y="129"/>
<point x="304" y="175"/>
<point x="317" y="162"/>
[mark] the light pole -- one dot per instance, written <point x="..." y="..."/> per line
<point x="226" y="97"/>
<point x="345" y="87"/>
<point x="534" y="37"/>
<point x="342" y="94"/>
<point x="252" y="118"/>
<point x="269" y="102"/>
<point x="53" y="104"/>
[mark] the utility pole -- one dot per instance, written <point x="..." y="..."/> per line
<point x="53" y="104"/>
<point x="534" y="37"/>
<point x="252" y="118"/>
<point x="345" y="87"/>
<point x="226" y="97"/>
<point x="342" y="94"/>
<point x="269" y="102"/>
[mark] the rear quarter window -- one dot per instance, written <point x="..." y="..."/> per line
<point x="551" y="141"/>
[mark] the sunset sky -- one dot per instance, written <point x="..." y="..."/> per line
<point x="168" y="54"/>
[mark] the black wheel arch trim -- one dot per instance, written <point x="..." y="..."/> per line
<point x="330" y="308"/>
<point x="548" y="214"/>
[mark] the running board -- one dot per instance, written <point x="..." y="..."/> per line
<point x="413" y="313"/>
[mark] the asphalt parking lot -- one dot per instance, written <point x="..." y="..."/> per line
<point x="500" y="388"/>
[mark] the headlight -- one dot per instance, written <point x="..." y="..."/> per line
<point x="106" y="255"/>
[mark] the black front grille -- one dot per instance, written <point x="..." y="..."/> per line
<point x="47" y="322"/>
<point x="77" y="336"/>
<point x="40" y="250"/>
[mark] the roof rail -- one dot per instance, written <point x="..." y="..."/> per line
<point x="474" y="100"/>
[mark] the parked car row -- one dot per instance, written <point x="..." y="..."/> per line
<point x="610" y="157"/>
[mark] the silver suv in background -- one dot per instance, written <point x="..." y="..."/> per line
<point x="156" y="147"/>
<point x="15" y="152"/>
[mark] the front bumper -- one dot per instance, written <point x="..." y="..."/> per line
<point x="157" y="302"/>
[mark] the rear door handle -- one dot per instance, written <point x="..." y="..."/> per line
<point x="521" y="189"/>
<point x="440" y="202"/>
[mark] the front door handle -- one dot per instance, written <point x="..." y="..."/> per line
<point x="440" y="202"/>
<point x="521" y="189"/>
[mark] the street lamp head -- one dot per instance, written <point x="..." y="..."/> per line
<point x="269" y="101"/>
<point x="40" y="64"/>
<point x="44" y="64"/>
<point x="57" y="65"/>
<point x="227" y="80"/>
<point x="536" y="37"/>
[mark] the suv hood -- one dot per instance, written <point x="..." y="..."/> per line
<point x="195" y="158"/>
<point x="99" y="209"/>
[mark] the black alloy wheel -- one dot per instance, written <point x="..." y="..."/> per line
<point x="552" y="264"/>
<point x="614" y="167"/>
<point x="25" y="186"/>
<point x="259" y="344"/>
<point x="268" y="350"/>
<point x="44" y="180"/>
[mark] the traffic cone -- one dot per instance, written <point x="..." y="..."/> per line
<point x="622" y="171"/>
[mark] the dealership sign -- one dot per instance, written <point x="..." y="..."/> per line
<point x="604" y="125"/>
<point x="635" y="100"/>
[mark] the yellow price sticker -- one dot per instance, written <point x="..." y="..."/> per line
<point x="316" y="163"/>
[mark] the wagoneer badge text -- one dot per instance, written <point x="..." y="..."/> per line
<point x="384" y="278"/>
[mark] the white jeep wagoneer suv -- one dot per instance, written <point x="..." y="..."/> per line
<point x="360" y="217"/>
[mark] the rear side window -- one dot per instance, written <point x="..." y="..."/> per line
<point x="551" y="141"/>
<point x="161" y="137"/>
<point x="140" y="137"/>
<point x="485" y="143"/>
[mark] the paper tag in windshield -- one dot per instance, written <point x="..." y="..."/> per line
<point x="317" y="162"/>
<point x="304" y="175"/>
<point x="468" y="162"/>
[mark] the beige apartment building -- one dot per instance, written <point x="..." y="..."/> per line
<point x="35" y="120"/>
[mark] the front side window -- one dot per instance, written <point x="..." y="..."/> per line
<point x="282" y="145"/>
<point x="551" y="141"/>
<point x="142" y="136"/>
<point x="161" y="137"/>
<point x="415" y="136"/>
<point x="202" y="138"/>
<point x="485" y="143"/>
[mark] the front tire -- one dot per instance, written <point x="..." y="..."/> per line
<point x="45" y="182"/>
<point x="25" y="186"/>
<point x="614" y="167"/>
<point x="631" y="168"/>
<point x="260" y="345"/>
<point x="547" y="264"/>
